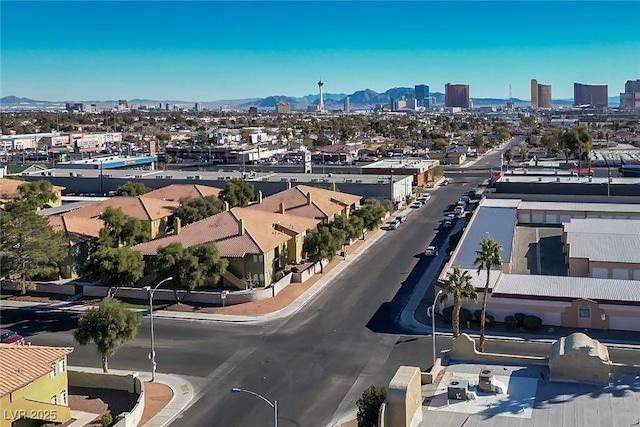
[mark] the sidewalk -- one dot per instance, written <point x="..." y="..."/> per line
<point x="183" y="394"/>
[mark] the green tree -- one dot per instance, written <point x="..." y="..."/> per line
<point x="508" y="156"/>
<point x="132" y="189"/>
<point x="569" y="142"/>
<point x="523" y="151"/>
<point x="369" y="406"/>
<point x="121" y="229"/>
<point x="192" y="210"/>
<point x="38" y="194"/>
<point x="550" y="141"/>
<point x="504" y="135"/>
<point x="29" y="247"/>
<point x="115" y="267"/>
<point x="479" y="141"/>
<point x="190" y="267"/>
<point x="237" y="192"/>
<point x="108" y="326"/>
<point x="323" y="243"/>
<point x="352" y="225"/>
<point x="440" y="144"/>
<point x="458" y="284"/>
<point x="371" y="213"/>
<point x="487" y="257"/>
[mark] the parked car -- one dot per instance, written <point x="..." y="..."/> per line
<point x="465" y="199"/>
<point x="425" y="196"/>
<point x="417" y="204"/>
<point x="459" y="210"/>
<point x="431" y="251"/>
<point x="394" y="225"/>
<point x="447" y="224"/>
<point x="401" y="218"/>
<point x="10" y="337"/>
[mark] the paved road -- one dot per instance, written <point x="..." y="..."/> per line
<point x="342" y="342"/>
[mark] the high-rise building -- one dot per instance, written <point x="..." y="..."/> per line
<point x="123" y="103"/>
<point x="456" y="95"/>
<point x="594" y="95"/>
<point x="283" y="108"/>
<point x="197" y="107"/>
<point x="422" y="96"/>
<point x="253" y="111"/>
<point x="347" y="107"/>
<point x="320" y="101"/>
<point x="630" y="98"/>
<point x="540" y="95"/>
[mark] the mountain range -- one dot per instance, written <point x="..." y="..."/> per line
<point x="361" y="99"/>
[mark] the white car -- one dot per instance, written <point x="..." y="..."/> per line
<point x="425" y="196"/>
<point x="394" y="225"/>
<point x="459" y="210"/>
<point x="431" y="251"/>
<point x="417" y="204"/>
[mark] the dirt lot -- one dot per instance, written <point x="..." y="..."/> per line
<point x="35" y="297"/>
<point x="156" y="397"/>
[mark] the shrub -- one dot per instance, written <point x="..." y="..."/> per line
<point x="447" y="313"/>
<point x="533" y="323"/>
<point x="465" y="316"/>
<point x="369" y="406"/>
<point x="477" y="314"/>
<point x="519" y="318"/>
<point x="106" y="419"/>
<point x="511" y="322"/>
<point x="489" y="320"/>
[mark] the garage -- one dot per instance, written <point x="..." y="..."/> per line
<point x="524" y="218"/>
<point x="600" y="272"/>
<point x="552" y="219"/>
<point x="537" y="218"/>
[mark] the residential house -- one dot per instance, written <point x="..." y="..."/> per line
<point x="256" y="244"/>
<point x="33" y="385"/>
<point x="175" y="192"/>
<point x="309" y="202"/>
<point x="9" y="192"/>
<point x="156" y="214"/>
<point x="78" y="231"/>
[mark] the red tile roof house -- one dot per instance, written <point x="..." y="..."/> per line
<point x="79" y="232"/>
<point x="308" y="202"/>
<point x="175" y="192"/>
<point x="256" y="244"/>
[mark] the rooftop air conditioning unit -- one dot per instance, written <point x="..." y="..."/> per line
<point x="485" y="380"/>
<point x="107" y="175"/>
<point x="78" y="174"/>
<point x="314" y="180"/>
<point x="558" y="179"/>
<point x="168" y="176"/>
<point x="190" y="177"/>
<point x="358" y="181"/>
<point x="457" y="390"/>
<point x="197" y="177"/>
<point x="590" y="179"/>
<point x="159" y="177"/>
<point x="539" y="179"/>
<point x="221" y="178"/>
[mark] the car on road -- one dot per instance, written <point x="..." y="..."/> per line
<point x="425" y="196"/>
<point x="401" y="218"/>
<point x="445" y="182"/>
<point x="431" y="251"/>
<point x="10" y="337"/>
<point x="394" y="225"/>
<point x="447" y="224"/>
<point x="416" y="204"/>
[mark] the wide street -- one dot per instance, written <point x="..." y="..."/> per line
<point x="336" y="346"/>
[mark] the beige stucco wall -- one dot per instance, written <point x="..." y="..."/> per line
<point x="404" y="398"/>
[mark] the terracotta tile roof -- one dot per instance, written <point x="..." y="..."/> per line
<point x="223" y="229"/>
<point x="76" y="229"/>
<point x="324" y="203"/>
<point x="260" y="234"/>
<point x="9" y="187"/>
<point x="140" y="207"/>
<point x="22" y="364"/>
<point x="178" y="191"/>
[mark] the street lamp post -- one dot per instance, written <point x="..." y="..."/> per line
<point x="433" y="324"/>
<point x="274" y="405"/>
<point x="152" y="355"/>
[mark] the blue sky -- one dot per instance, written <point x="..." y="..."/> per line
<point x="211" y="50"/>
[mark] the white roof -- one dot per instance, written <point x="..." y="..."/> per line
<point x="569" y="288"/>
<point x="561" y="206"/>
<point x="566" y="180"/>
<point x="605" y="240"/>
<point x="603" y="226"/>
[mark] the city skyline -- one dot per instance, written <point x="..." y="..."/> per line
<point x="182" y="52"/>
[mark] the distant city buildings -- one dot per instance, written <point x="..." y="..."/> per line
<point x="422" y="96"/>
<point x="197" y="107"/>
<point x="283" y="108"/>
<point x="253" y="111"/>
<point x="456" y="95"/>
<point x="540" y="95"/>
<point x="347" y="107"/>
<point x="73" y="107"/>
<point x="594" y="95"/>
<point x="630" y="98"/>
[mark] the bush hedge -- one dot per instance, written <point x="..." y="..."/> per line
<point x="533" y="323"/>
<point x="511" y="322"/>
<point x="519" y="318"/>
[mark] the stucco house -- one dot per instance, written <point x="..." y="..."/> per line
<point x="175" y="192"/>
<point x="257" y="244"/>
<point x="9" y="192"/>
<point x="78" y="231"/>
<point x="33" y="385"/>
<point x="308" y="202"/>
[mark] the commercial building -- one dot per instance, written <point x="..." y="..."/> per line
<point x="570" y="264"/>
<point x="347" y="107"/>
<point x="456" y="95"/>
<point x="540" y="95"/>
<point x="283" y="108"/>
<point x="34" y="388"/>
<point x="559" y="184"/>
<point x="594" y="95"/>
<point x="422" y="171"/>
<point x="630" y="98"/>
<point x="423" y="96"/>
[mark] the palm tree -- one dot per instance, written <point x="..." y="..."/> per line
<point x="486" y="258"/>
<point x="458" y="283"/>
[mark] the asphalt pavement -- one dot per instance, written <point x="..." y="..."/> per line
<point x="316" y="363"/>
